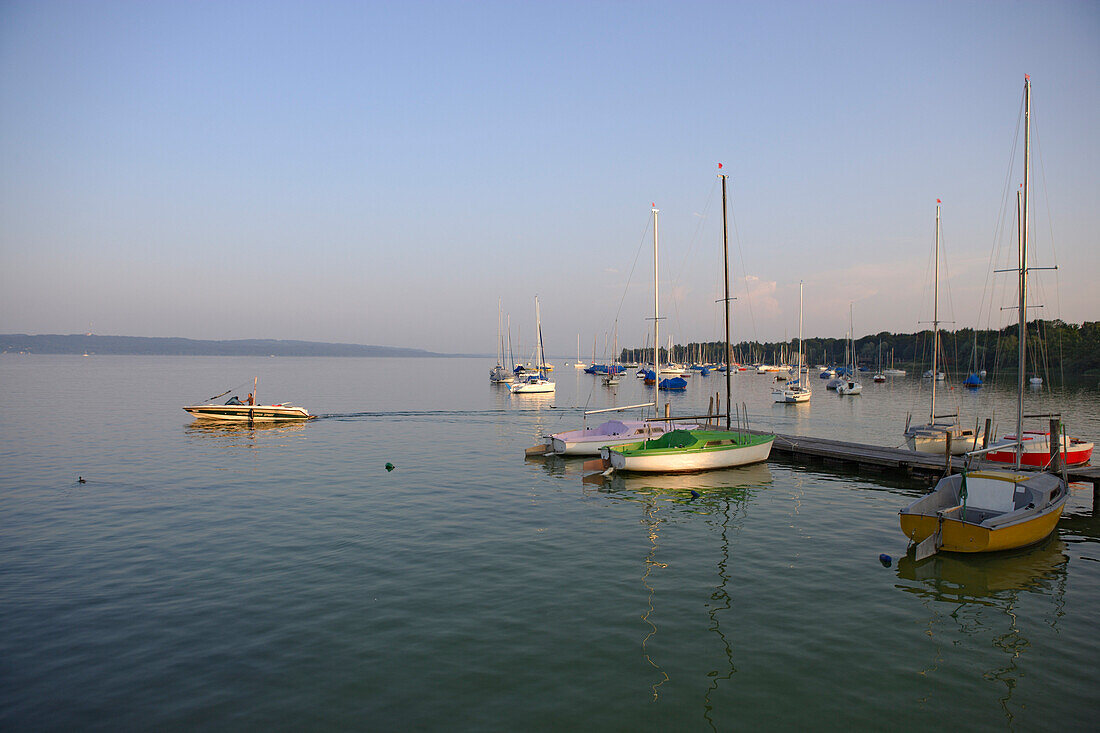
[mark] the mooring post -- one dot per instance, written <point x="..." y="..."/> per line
<point x="1055" y="445"/>
<point x="988" y="429"/>
<point x="668" y="411"/>
<point x="710" y="410"/>
<point x="947" y="453"/>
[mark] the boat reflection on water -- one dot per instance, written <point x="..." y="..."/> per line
<point x="679" y="486"/>
<point x="241" y="433"/>
<point x="989" y="580"/>
<point x="722" y="495"/>
<point x="983" y="593"/>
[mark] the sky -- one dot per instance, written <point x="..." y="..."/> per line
<point x="388" y="173"/>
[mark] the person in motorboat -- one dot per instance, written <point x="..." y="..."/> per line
<point x="251" y="398"/>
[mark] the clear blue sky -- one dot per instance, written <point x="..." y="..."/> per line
<point x="384" y="172"/>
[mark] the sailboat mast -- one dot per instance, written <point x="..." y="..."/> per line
<point x="656" y="313"/>
<point x="1023" y="272"/>
<point x="540" y="357"/>
<point x="726" y="269"/>
<point x="935" y="320"/>
<point x="798" y="377"/>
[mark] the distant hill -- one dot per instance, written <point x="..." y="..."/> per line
<point x="132" y="345"/>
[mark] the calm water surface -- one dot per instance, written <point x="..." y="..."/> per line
<point x="282" y="578"/>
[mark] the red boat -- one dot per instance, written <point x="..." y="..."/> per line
<point x="1037" y="450"/>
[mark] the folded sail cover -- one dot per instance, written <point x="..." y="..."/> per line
<point x="611" y="427"/>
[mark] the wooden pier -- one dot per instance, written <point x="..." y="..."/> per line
<point x="879" y="459"/>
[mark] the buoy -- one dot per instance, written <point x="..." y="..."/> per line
<point x="80" y="480"/>
<point x="390" y="466"/>
<point x="885" y="560"/>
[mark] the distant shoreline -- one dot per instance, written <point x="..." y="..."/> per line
<point x="92" y="344"/>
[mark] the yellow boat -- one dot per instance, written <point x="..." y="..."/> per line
<point x="985" y="511"/>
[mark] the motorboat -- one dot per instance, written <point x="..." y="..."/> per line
<point x="236" y="411"/>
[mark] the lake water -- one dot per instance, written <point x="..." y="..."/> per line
<point x="220" y="577"/>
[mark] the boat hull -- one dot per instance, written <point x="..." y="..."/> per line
<point x="532" y="388"/>
<point x="920" y="520"/>
<point x="1036" y="453"/>
<point x="673" y="461"/>
<point x="246" y="413"/>
<point x="790" y="397"/>
<point x="926" y="440"/>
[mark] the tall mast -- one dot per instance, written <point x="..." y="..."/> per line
<point x="539" y="357"/>
<point x="798" y="377"/>
<point x="935" y="319"/>
<point x="656" y="313"/>
<point x="726" y="269"/>
<point x="1023" y="272"/>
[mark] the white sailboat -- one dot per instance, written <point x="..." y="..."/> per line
<point x="578" y="364"/>
<point x="850" y="385"/>
<point x="932" y="437"/>
<point x="797" y="391"/>
<point x="536" y="382"/>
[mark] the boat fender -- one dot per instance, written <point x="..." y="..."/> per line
<point x="390" y="466"/>
<point x="885" y="560"/>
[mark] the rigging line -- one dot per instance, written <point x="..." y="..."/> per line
<point x="1000" y="224"/>
<point x="687" y="255"/>
<point x="1054" y="256"/>
<point x="741" y="256"/>
<point x="630" y="277"/>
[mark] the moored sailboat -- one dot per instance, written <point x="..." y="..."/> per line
<point x="696" y="450"/>
<point x="536" y="382"/>
<point x="986" y="511"/>
<point x="798" y="391"/>
<point x="934" y="436"/>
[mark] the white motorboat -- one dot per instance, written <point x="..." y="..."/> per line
<point x="236" y="411"/>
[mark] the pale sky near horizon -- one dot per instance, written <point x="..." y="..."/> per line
<point x="382" y="173"/>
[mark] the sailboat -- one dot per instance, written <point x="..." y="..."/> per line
<point x="986" y="511"/>
<point x="537" y="382"/>
<point x="850" y="385"/>
<point x="578" y="364"/>
<point x="249" y="411"/>
<point x="498" y="374"/>
<point x="932" y="437"/>
<point x="880" y="376"/>
<point x="694" y="450"/>
<point x="797" y="391"/>
<point x="611" y="379"/>
<point x="892" y="372"/>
